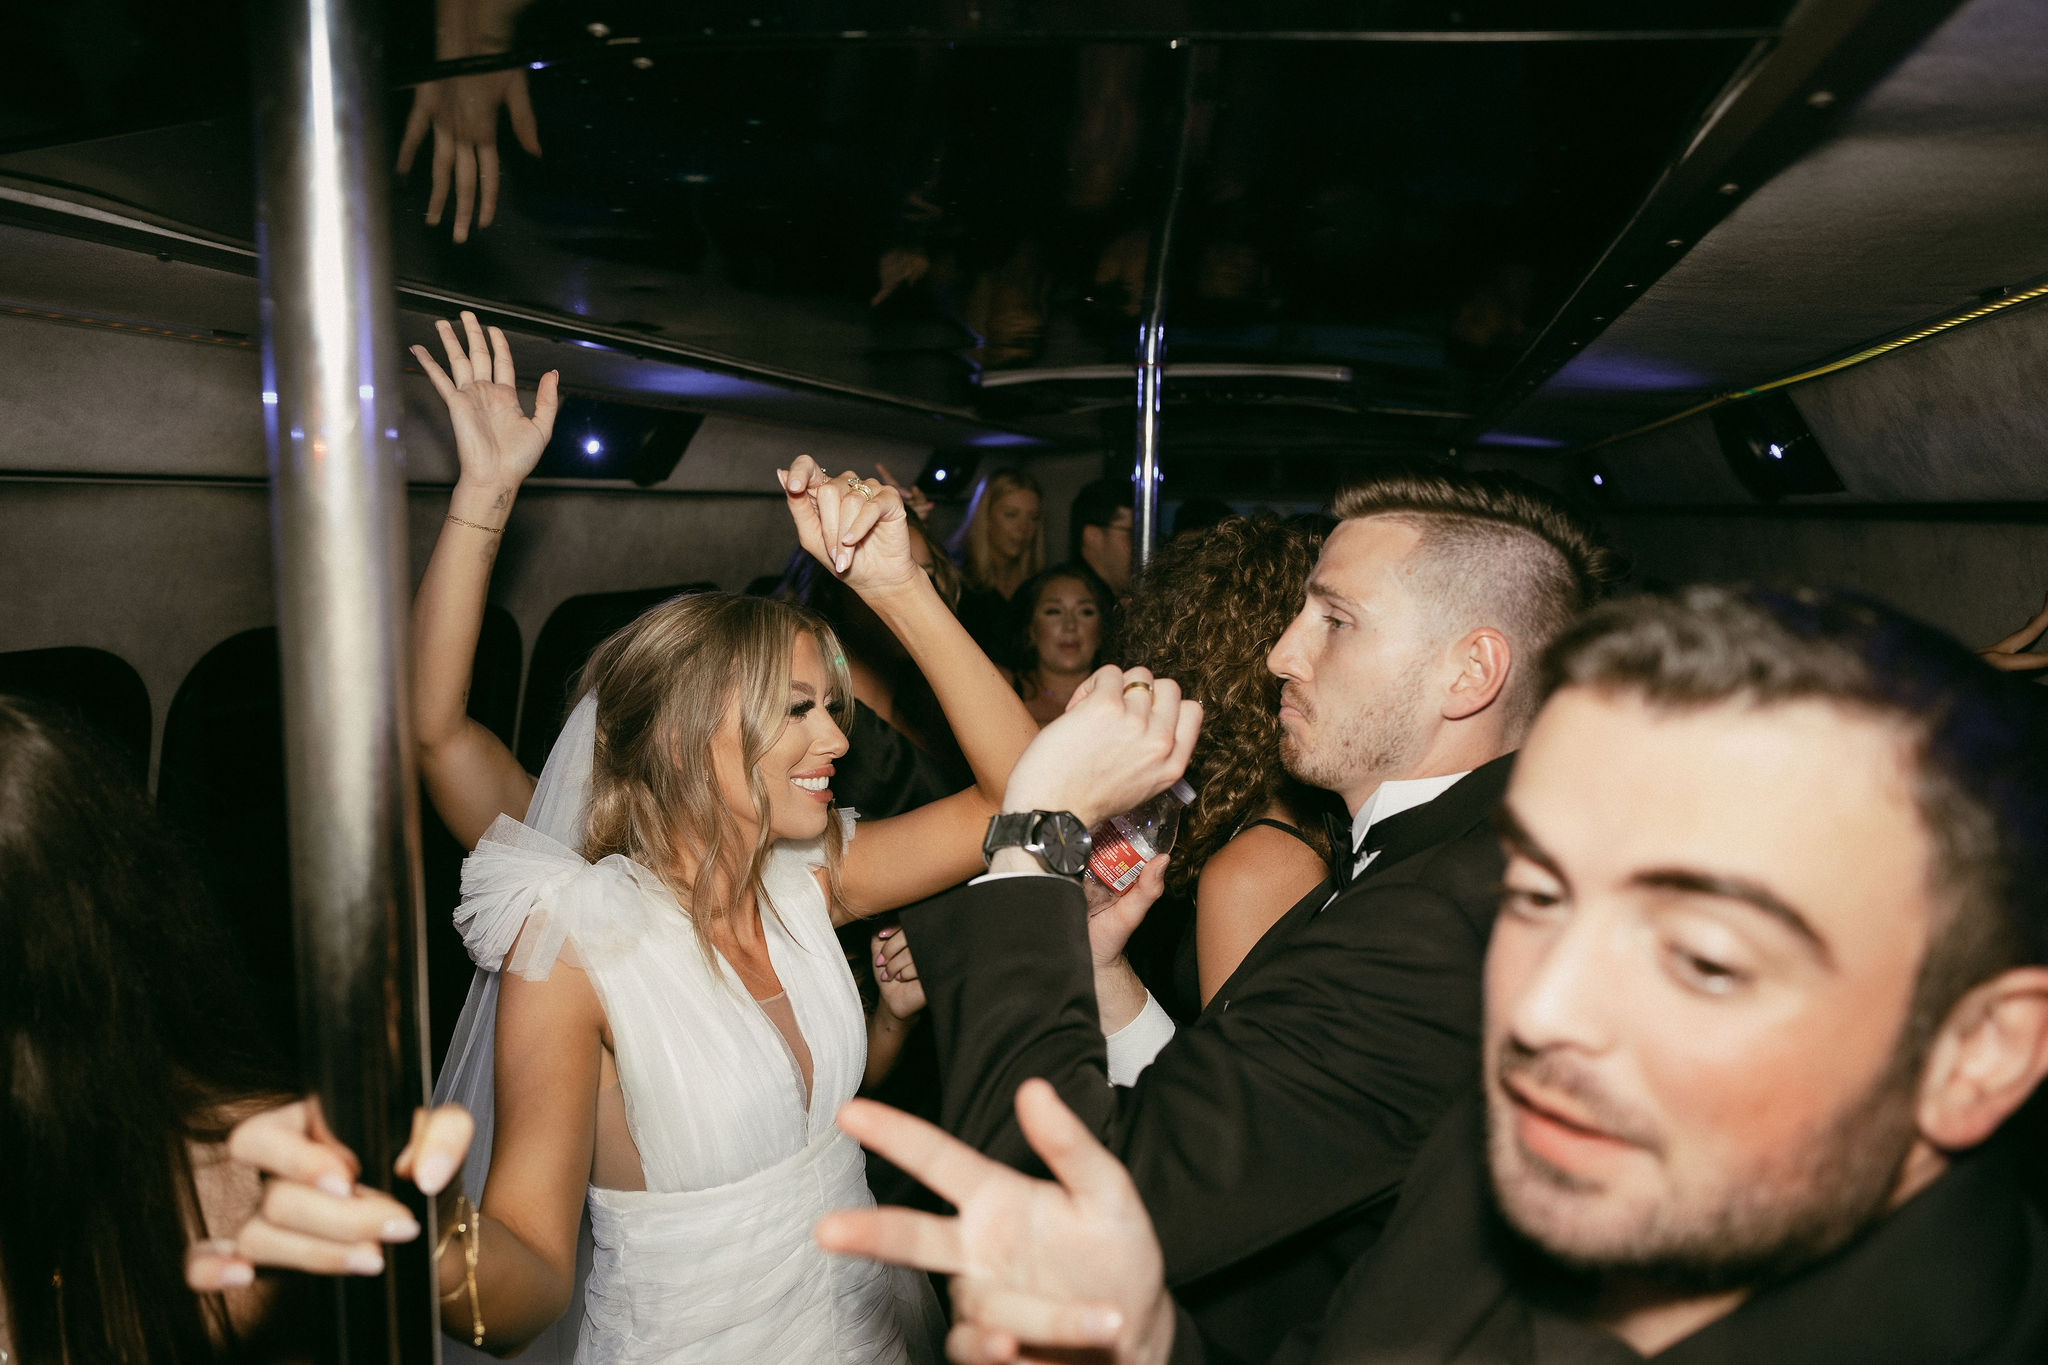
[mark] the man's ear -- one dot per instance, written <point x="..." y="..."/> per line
<point x="1091" y="541"/>
<point x="1482" y="659"/>
<point x="1991" y="1052"/>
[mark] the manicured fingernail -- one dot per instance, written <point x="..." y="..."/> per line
<point x="434" y="1170"/>
<point x="399" y="1230"/>
<point x="364" y="1261"/>
<point x="845" y="559"/>
<point x="886" y="932"/>
<point x="335" y="1184"/>
<point x="883" y="973"/>
<point x="236" y="1275"/>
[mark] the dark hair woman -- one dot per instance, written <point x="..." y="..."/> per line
<point x="1063" y="616"/>
<point x="128" y="1050"/>
<point x="1207" y="612"/>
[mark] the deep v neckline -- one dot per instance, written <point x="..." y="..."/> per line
<point x="807" y="1089"/>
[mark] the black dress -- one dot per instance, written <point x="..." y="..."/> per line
<point x="1162" y="950"/>
<point x="882" y="774"/>
<point x="991" y="619"/>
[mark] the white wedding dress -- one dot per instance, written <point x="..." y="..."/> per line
<point x="714" y="1261"/>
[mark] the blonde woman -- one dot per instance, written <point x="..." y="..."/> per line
<point x="1000" y="546"/>
<point x="674" y="1026"/>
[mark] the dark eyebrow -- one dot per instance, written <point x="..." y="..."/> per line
<point x="1688" y="882"/>
<point x="1318" y="588"/>
<point x="1517" y="837"/>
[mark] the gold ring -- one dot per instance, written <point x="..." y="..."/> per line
<point x="1130" y="687"/>
<point x="867" y="490"/>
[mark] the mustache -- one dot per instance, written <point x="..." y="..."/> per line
<point x="1549" y="1073"/>
<point x="1290" y="696"/>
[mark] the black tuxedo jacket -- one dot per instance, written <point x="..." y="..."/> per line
<point x="1270" y="1137"/>
<point x="1957" y="1276"/>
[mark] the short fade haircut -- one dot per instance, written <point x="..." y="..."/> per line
<point x="1095" y="505"/>
<point x="1497" y="551"/>
<point x="1976" y="740"/>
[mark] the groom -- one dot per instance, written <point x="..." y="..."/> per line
<point x="1269" y="1138"/>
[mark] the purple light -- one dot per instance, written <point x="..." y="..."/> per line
<point x="593" y="446"/>
<point x="1777" y="451"/>
<point x="1598" y="482"/>
<point x="536" y="66"/>
<point x="938" y="476"/>
<point x="1519" y="438"/>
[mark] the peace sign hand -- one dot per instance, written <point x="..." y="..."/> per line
<point x="496" y="443"/>
<point x="1040" y="1269"/>
<point x="852" y="527"/>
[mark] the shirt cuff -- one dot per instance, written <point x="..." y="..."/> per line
<point x="999" y="876"/>
<point x="1132" y="1047"/>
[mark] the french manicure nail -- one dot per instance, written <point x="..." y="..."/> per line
<point x="236" y="1275"/>
<point x="433" y="1172"/>
<point x="364" y="1261"/>
<point x="335" y="1184"/>
<point x="399" y="1230"/>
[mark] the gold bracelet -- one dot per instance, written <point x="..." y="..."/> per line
<point x="465" y="1226"/>
<point x="469" y="1239"/>
<point x="475" y="525"/>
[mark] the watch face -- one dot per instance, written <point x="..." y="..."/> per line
<point x="1066" y="843"/>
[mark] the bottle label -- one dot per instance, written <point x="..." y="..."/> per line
<point x="1119" y="855"/>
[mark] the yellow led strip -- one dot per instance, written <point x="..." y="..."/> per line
<point x="1868" y="353"/>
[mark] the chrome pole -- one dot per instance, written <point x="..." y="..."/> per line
<point x="337" y="502"/>
<point x="1145" y="477"/>
<point x="1152" y="330"/>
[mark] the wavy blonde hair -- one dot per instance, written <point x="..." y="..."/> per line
<point x="665" y="685"/>
<point x="970" y="542"/>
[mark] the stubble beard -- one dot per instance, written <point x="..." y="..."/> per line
<point x="1349" y="748"/>
<point x="1758" y="1226"/>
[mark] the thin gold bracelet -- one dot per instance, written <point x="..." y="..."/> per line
<point x="466" y="1227"/>
<point x="475" y="525"/>
<point x="470" y="1231"/>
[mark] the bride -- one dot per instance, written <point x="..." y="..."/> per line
<point x="675" y="1026"/>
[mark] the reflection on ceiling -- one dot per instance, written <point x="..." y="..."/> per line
<point x="911" y="204"/>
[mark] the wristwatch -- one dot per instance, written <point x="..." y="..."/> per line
<point x="1055" y="837"/>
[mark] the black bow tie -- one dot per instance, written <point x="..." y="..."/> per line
<point x="1343" y="858"/>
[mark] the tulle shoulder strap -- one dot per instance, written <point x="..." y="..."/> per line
<point x="520" y="879"/>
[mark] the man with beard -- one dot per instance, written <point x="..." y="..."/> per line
<point x="1270" y="1137"/>
<point x="1769" y="981"/>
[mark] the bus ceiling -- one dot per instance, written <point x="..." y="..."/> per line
<point x="1540" y="230"/>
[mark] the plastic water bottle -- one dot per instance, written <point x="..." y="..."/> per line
<point x="1123" y="844"/>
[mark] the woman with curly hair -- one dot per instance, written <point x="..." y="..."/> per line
<point x="1207" y="612"/>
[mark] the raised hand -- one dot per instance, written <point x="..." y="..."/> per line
<point x="1126" y="736"/>
<point x="896" y="973"/>
<point x="851" y="526"/>
<point x="314" y="1217"/>
<point x="1040" y="1269"/>
<point x="2010" y="654"/>
<point x="463" y="112"/>
<point x="496" y="443"/>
